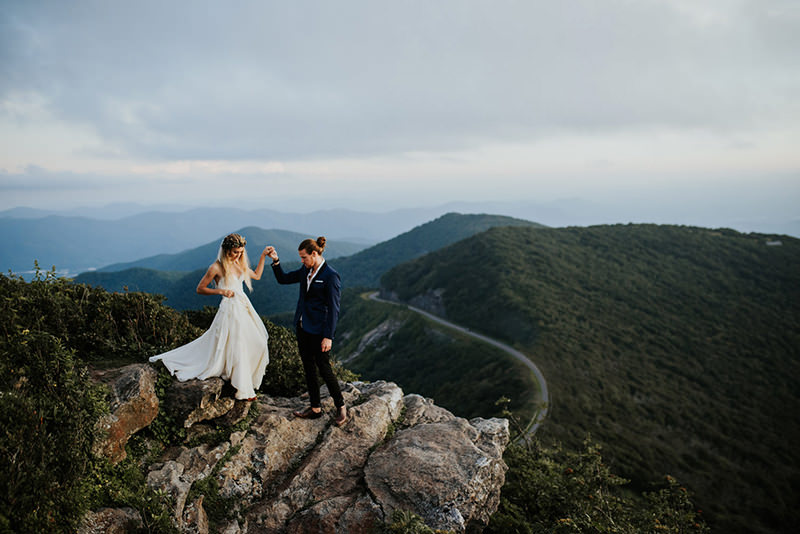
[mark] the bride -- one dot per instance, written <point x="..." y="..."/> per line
<point x="235" y="345"/>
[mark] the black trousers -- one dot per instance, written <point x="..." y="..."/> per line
<point x="313" y="358"/>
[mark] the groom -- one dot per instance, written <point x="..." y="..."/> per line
<point x="315" y="321"/>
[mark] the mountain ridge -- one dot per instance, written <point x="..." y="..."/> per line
<point x="364" y="268"/>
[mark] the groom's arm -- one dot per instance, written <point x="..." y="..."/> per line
<point x="292" y="277"/>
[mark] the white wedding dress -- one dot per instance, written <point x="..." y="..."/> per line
<point x="234" y="347"/>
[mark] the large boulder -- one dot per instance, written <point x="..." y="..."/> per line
<point x="195" y="400"/>
<point x="133" y="403"/>
<point x="449" y="472"/>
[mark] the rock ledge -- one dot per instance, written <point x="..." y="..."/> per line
<point x="283" y="474"/>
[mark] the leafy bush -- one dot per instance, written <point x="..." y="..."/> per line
<point x="103" y="328"/>
<point x="125" y="485"/>
<point x="48" y="409"/>
<point x="550" y="489"/>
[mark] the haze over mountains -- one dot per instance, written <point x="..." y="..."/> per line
<point x="80" y="239"/>
<point x="78" y="243"/>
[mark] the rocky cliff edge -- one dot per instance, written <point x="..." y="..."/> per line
<point x="281" y="474"/>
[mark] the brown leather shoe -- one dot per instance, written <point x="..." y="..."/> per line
<point x="308" y="413"/>
<point x="341" y="416"/>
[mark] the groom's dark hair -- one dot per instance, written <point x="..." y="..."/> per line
<point x="309" y="245"/>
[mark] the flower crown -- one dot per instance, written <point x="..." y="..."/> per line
<point x="233" y="241"/>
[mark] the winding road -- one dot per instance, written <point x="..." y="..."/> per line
<point x="542" y="398"/>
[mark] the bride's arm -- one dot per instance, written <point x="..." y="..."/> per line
<point x="256" y="275"/>
<point x="211" y="274"/>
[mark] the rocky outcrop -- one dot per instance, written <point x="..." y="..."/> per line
<point x="288" y="475"/>
<point x="133" y="403"/>
<point x="432" y="300"/>
<point x="198" y="400"/>
<point x="450" y="469"/>
<point x="377" y="337"/>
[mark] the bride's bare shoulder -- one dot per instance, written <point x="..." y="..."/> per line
<point x="215" y="268"/>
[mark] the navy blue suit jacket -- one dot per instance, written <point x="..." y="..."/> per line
<point x="317" y="306"/>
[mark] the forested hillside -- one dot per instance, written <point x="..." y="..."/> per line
<point x="676" y="347"/>
<point x="365" y="268"/>
<point x="388" y="342"/>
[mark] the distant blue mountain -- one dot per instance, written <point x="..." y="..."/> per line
<point x="80" y="243"/>
<point x="202" y="256"/>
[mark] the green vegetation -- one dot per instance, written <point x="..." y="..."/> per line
<point x="675" y="347"/>
<point x="48" y="408"/>
<point x="99" y="326"/>
<point x="405" y="522"/>
<point x="52" y="330"/>
<point x="217" y="507"/>
<point x="550" y="489"/>
<point x="461" y="374"/>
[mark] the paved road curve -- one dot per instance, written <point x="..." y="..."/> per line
<point x="543" y="397"/>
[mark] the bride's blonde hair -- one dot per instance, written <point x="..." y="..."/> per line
<point x="231" y="242"/>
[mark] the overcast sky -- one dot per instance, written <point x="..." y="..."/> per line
<point x="646" y="105"/>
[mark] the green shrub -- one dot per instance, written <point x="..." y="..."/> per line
<point x="550" y="489"/>
<point x="103" y="328"/>
<point x="125" y="485"/>
<point x="406" y="522"/>
<point x="48" y="409"/>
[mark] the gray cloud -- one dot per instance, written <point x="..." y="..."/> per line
<point x="184" y="80"/>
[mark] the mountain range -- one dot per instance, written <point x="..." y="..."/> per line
<point x="363" y="268"/>
<point x="80" y="239"/>
<point x="75" y="244"/>
<point x="257" y="238"/>
<point x="86" y="239"/>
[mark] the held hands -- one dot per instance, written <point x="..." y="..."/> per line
<point x="271" y="252"/>
<point x="227" y="293"/>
